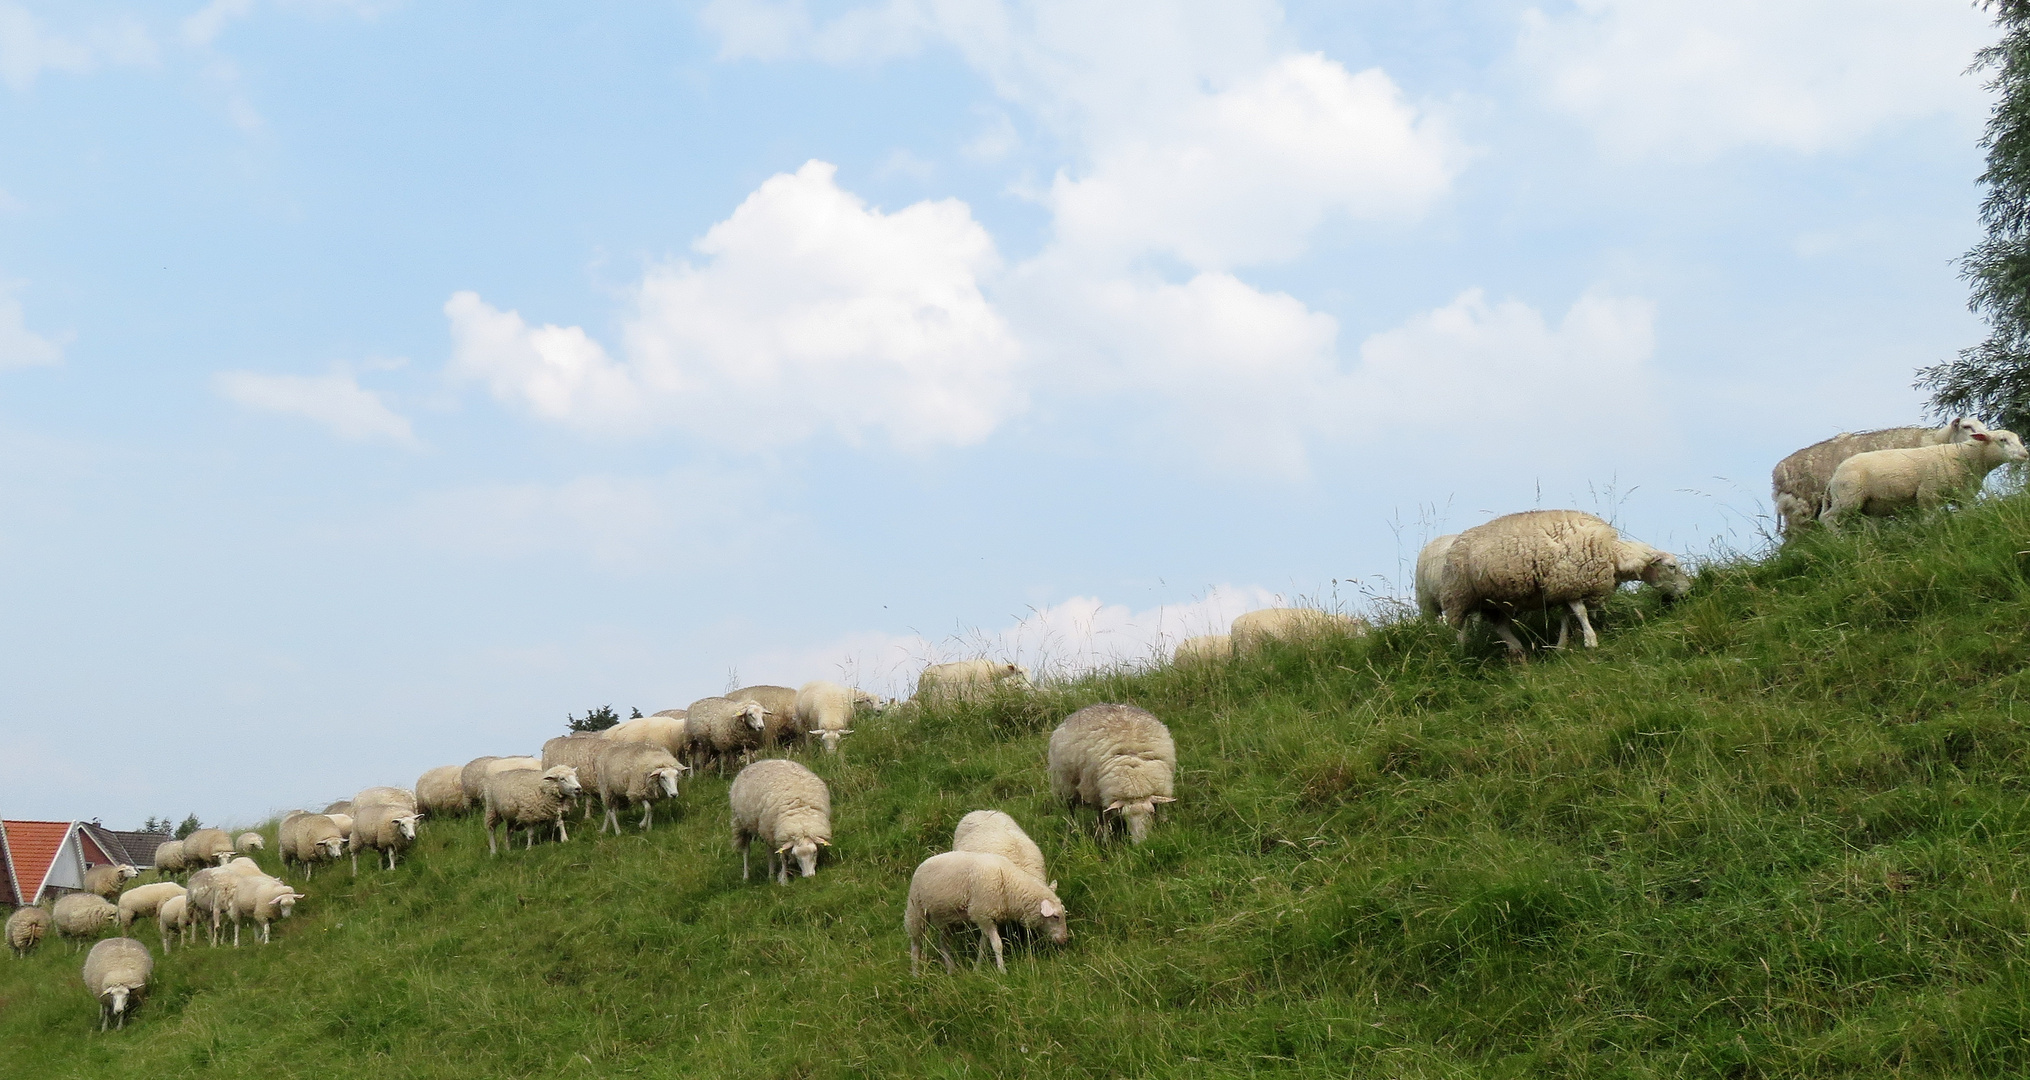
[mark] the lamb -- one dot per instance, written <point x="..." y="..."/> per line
<point x="173" y="916"/>
<point x="386" y="829"/>
<point x="83" y="915"/>
<point x="207" y="847"/>
<point x="25" y="929"/>
<point x="117" y="973"/>
<point x="402" y="798"/>
<point x="631" y="773"/>
<point x="1431" y="574"/>
<point x="251" y="841"/>
<point x="1203" y="649"/>
<point x="1882" y="482"/>
<point x="169" y="857"/>
<point x="1257" y="628"/>
<point x="264" y="900"/>
<point x="1802" y="482"/>
<point x="965" y="679"/>
<point x="105" y="881"/>
<point x="309" y="839"/>
<point x="1117" y="759"/>
<point x="721" y="727"/>
<point x="526" y="798"/>
<point x="439" y="793"/>
<point x="144" y="901"/>
<point x="786" y="807"/>
<point x="995" y="833"/>
<point x="580" y="751"/>
<point x="1546" y="559"/>
<point x="672" y="733"/>
<point x="826" y="709"/>
<point x="981" y="888"/>
<point x="472" y="779"/>
<point x="210" y="897"/>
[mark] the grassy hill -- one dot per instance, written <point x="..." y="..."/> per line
<point x="1775" y="830"/>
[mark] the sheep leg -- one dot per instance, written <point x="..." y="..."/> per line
<point x="944" y="948"/>
<point x="991" y="935"/>
<point x="355" y="864"/>
<point x="1578" y="608"/>
<point x="915" y="952"/>
<point x="648" y="816"/>
<point x="1515" y="645"/>
<point x="1564" y="627"/>
<point x="563" y="837"/>
<point x="743" y="862"/>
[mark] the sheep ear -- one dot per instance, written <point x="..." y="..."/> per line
<point x="784" y="849"/>
<point x="1052" y="886"/>
<point x="1161" y="799"/>
<point x="1111" y="808"/>
<point x="845" y="731"/>
<point x="822" y="842"/>
<point x="1980" y="436"/>
<point x="1050" y="908"/>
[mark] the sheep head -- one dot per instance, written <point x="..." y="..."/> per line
<point x="1013" y="673"/>
<point x="565" y="779"/>
<point x="226" y="856"/>
<point x="1663" y="574"/>
<point x="407" y="824"/>
<point x="805" y="850"/>
<point x="831" y="736"/>
<point x="332" y="846"/>
<point x="1050" y="917"/>
<point x="127" y="871"/>
<point x="1962" y="428"/>
<point x="756" y="715"/>
<point x="2000" y="446"/>
<point x="117" y="998"/>
<point x="1138" y="813"/>
<point x="666" y="779"/>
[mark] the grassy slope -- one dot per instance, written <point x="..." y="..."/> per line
<point x="1776" y="830"/>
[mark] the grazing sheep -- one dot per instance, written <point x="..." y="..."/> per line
<point x="210" y="896"/>
<point x="342" y="806"/>
<point x="385" y="829"/>
<point x="105" y="881"/>
<point x="25" y="929"/>
<point x="635" y="773"/>
<point x="1546" y="559"/>
<point x="995" y="833"/>
<point x="721" y="728"/>
<point x="245" y="867"/>
<point x="675" y="713"/>
<point x="788" y="808"/>
<point x="439" y="793"/>
<point x="207" y="847"/>
<point x="402" y="798"/>
<point x="169" y="857"/>
<point x="1883" y="482"/>
<point x="1257" y="628"/>
<point x="1802" y="482"/>
<point x="983" y="889"/>
<point x="969" y="679"/>
<point x="672" y="733"/>
<point x="825" y="711"/>
<point x="472" y="779"/>
<point x="83" y="915"/>
<point x="1431" y="575"/>
<point x="1203" y="649"/>
<point x="344" y="823"/>
<point x="780" y="701"/>
<point x="525" y="799"/>
<point x="251" y="841"/>
<point x="580" y="751"/>
<point x="173" y="917"/>
<point x="117" y="973"/>
<point x="144" y="901"/>
<point x="1116" y="759"/>
<point x="309" y="839"/>
<point x="264" y="900"/>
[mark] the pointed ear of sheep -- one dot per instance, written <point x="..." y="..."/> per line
<point x="1161" y="799"/>
<point x="822" y="842"/>
<point x="1111" y="807"/>
<point x="845" y="731"/>
<point x="1050" y="908"/>
<point x="1980" y="436"/>
<point x="785" y="847"/>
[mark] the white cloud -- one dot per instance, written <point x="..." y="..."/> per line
<point x="812" y="312"/>
<point x="28" y="48"/>
<point x="335" y="401"/>
<point x="20" y="346"/>
<point x="1691" y="78"/>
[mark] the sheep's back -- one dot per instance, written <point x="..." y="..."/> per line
<point x="1536" y="558"/>
<point x="120" y="961"/>
<point x="1807" y="474"/>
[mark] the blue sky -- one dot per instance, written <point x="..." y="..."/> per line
<point x="381" y="381"/>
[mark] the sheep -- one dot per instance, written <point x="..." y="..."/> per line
<point x="1203" y="649"/>
<point x="826" y="709"/>
<point x="169" y="857"/>
<point x="143" y="901"/>
<point x="786" y="807"/>
<point x="207" y="847"/>
<point x="969" y="679"/>
<point x="631" y="773"/>
<point x="580" y="751"/>
<point x="245" y="867"/>
<point x="386" y="829"/>
<point x="472" y="779"/>
<point x="1882" y="482"/>
<point x="263" y="899"/>
<point x="402" y="798"/>
<point x="1431" y="574"/>
<point x="342" y="806"/>
<point x="309" y="839"/>
<point x="1117" y="759"/>
<point x="173" y="916"/>
<point x="678" y="714"/>
<point x="1546" y="559"/>
<point x="721" y="727"/>
<point x="210" y="897"/>
<point x="995" y="833"/>
<point x="83" y="915"/>
<point x="250" y="841"/>
<point x="672" y="733"/>
<point x="1801" y="483"/>
<point x="105" y="881"/>
<point x="1257" y="628"/>
<point x="344" y="823"/>
<point x="117" y="973"/>
<point x="439" y="794"/>
<point x="981" y="888"/>
<point x="526" y="798"/>
<point x="25" y="929"/>
<point x="780" y="701"/>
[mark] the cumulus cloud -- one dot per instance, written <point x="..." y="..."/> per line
<point x="20" y="346"/>
<point x="28" y="47"/>
<point x="1691" y="78"/>
<point x="811" y="312"/>
<point x="336" y="402"/>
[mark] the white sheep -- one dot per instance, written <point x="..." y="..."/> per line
<point x="785" y="806"/>
<point x="309" y="839"/>
<point x="1801" y="482"/>
<point x="250" y="841"/>
<point x="208" y="847"/>
<point x="672" y="733"/>
<point x="1116" y="759"/>
<point x="526" y="799"/>
<point x="144" y="901"/>
<point x="983" y="889"/>
<point x="83" y="915"/>
<point x="581" y="751"/>
<point x="635" y="773"/>
<point x="1431" y="575"/>
<point x="825" y="710"/>
<point x="169" y="857"/>
<point x="962" y="679"/>
<point x="1883" y="482"/>
<point x="344" y="823"/>
<point x="210" y="897"/>
<point x="263" y="899"/>
<point x="116" y="973"/>
<point x="342" y="806"/>
<point x="1203" y="649"/>
<point x="722" y="727"/>
<point x="402" y="798"/>
<point x="106" y="880"/>
<point x="173" y="917"/>
<point x="472" y="779"/>
<point x="1255" y="629"/>
<point x="995" y="833"/>
<point x="1546" y="559"/>
<point x="245" y="867"/>
<point x="26" y="928"/>
<point x="388" y="830"/>
<point x="440" y="793"/>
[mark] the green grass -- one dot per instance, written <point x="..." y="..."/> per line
<point x="1778" y="829"/>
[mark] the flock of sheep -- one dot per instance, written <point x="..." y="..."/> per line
<point x="1118" y="759"/>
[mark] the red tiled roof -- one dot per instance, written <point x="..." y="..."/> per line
<point x="32" y="847"/>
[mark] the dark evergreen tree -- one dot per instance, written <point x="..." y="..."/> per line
<point x="1992" y="380"/>
<point x="598" y="719"/>
<point x="190" y="825"/>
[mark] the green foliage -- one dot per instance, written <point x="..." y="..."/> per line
<point x="598" y="719"/>
<point x="1775" y="829"/>
<point x="190" y="825"/>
